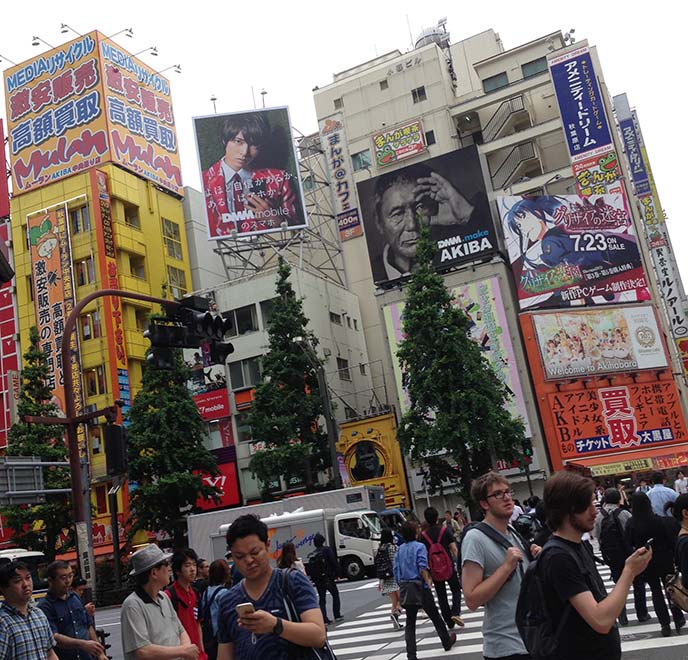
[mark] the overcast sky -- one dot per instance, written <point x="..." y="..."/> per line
<point x="287" y="48"/>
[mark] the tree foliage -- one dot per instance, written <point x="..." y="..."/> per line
<point x="165" y="450"/>
<point x="39" y="527"/>
<point x="287" y="405"/>
<point x="457" y="423"/>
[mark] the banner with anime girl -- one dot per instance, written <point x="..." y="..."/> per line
<point x="570" y="251"/>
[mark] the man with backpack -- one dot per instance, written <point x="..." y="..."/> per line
<point x="494" y="558"/>
<point x="442" y="556"/>
<point x="321" y="567"/>
<point x="609" y="530"/>
<point x="564" y="610"/>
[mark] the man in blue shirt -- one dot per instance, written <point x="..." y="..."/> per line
<point x="75" y="636"/>
<point x="265" y="632"/>
<point x="661" y="496"/>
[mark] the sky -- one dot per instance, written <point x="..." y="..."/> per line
<point x="233" y="51"/>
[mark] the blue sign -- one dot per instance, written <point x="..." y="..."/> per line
<point x="641" y="181"/>
<point x="580" y="103"/>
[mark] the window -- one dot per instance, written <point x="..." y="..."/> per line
<point x="243" y="320"/>
<point x="142" y="316"/>
<point x="361" y="160"/>
<point x="266" y="309"/>
<point x="430" y="137"/>
<point x="131" y="215"/>
<point x="495" y="82"/>
<point x="137" y="266"/>
<point x="348" y="321"/>
<point x="29" y="286"/>
<point x="243" y="428"/>
<point x="418" y="94"/>
<point x="85" y="271"/>
<point x="90" y="325"/>
<point x="335" y="318"/>
<point x="534" y="67"/>
<point x="96" y="438"/>
<point x="355" y="324"/>
<point x="343" y="369"/>
<point x="95" y="381"/>
<point x="338" y="103"/>
<point x="244" y="373"/>
<point x="176" y="279"/>
<point x="384" y="84"/>
<point x="79" y="220"/>
<point x="173" y="239"/>
<point x="362" y="369"/>
<point x="101" y="500"/>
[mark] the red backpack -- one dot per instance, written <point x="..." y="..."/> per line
<point x="439" y="561"/>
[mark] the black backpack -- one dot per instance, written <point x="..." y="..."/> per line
<point x="384" y="568"/>
<point x="317" y="568"/>
<point x="209" y="639"/>
<point x="613" y="544"/>
<point x="528" y="526"/>
<point x="533" y="618"/>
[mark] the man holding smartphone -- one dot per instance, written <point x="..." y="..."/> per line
<point x="253" y="622"/>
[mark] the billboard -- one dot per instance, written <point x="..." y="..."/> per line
<point x="570" y="250"/>
<point x="580" y="103"/>
<point x="599" y="341"/>
<point x="399" y="143"/>
<point x="85" y="103"/>
<point x="598" y="175"/>
<point x="446" y="192"/>
<point x="342" y="188"/>
<point x="250" y="173"/>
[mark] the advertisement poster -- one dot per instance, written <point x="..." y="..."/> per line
<point x="608" y="419"/>
<point x="599" y="175"/>
<point x="599" y="341"/>
<point x="482" y="302"/>
<point x="338" y="161"/>
<point x="580" y="104"/>
<point x="85" y="103"/>
<point x="250" y="173"/>
<point x="570" y="250"/>
<point x="448" y="194"/>
<point x="395" y="144"/>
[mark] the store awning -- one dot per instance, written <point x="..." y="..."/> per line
<point x="640" y="460"/>
<point x="98" y="551"/>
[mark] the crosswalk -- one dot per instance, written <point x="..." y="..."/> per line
<point x="371" y="635"/>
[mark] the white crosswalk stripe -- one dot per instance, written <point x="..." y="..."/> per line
<point x="371" y="634"/>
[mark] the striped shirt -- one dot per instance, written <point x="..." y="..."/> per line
<point x="24" y="637"/>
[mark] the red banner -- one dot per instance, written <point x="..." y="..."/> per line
<point x="213" y="404"/>
<point x="228" y="485"/>
<point x="4" y="188"/>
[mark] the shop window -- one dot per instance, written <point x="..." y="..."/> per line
<point x="173" y="239"/>
<point x="91" y="327"/>
<point x="95" y="381"/>
<point x="79" y="220"/>
<point x="85" y="270"/>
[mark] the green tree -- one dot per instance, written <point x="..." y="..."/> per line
<point x="165" y="449"/>
<point x="287" y="405"/>
<point x="39" y="527"/>
<point x="457" y="423"/>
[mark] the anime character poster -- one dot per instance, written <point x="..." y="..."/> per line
<point x="570" y="250"/>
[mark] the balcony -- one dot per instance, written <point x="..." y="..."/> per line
<point x="507" y="115"/>
<point x="513" y="164"/>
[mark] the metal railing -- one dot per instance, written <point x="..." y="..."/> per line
<point x="501" y="116"/>
<point x="519" y="154"/>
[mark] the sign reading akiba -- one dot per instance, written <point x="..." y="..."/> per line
<point x="213" y="404"/>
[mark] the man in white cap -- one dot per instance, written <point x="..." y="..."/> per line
<point x="150" y="627"/>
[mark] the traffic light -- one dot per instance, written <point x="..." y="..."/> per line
<point x="219" y="351"/>
<point x="206" y="325"/>
<point x="527" y="447"/>
<point x="115" y="449"/>
<point x="167" y="333"/>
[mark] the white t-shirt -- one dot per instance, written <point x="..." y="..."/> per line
<point x="681" y="486"/>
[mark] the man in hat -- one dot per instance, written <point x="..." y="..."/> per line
<point x="148" y="619"/>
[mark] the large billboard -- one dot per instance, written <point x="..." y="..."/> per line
<point x="447" y="193"/>
<point x="399" y="143"/>
<point x="590" y="342"/>
<point x="570" y="250"/>
<point x="250" y="173"/>
<point x="85" y="103"/>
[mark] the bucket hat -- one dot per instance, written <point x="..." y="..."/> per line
<point x="146" y="558"/>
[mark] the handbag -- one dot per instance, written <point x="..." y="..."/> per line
<point x="411" y="593"/>
<point x="296" y="651"/>
<point x="676" y="592"/>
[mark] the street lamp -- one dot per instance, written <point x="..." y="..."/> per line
<point x="129" y="32"/>
<point x="7" y="59"/>
<point x="37" y="41"/>
<point x="64" y="28"/>
<point x="330" y="422"/>
<point x="153" y="51"/>
<point x="177" y="68"/>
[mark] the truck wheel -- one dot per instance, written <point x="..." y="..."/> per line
<point x="353" y="569"/>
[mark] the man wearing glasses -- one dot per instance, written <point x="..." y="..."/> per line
<point x="75" y="636"/>
<point x="150" y="627"/>
<point x="494" y="558"/>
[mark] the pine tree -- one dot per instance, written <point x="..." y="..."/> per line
<point x="287" y="405"/>
<point x="457" y="423"/>
<point x="39" y="527"/>
<point x="165" y="447"/>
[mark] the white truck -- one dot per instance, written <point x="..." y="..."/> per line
<point x="347" y="518"/>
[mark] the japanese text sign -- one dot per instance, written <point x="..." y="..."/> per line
<point x="399" y="143"/>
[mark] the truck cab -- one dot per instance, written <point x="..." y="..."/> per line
<point x="356" y="540"/>
<point x="394" y="518"/>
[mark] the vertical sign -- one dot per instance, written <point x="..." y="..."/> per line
<point x="9" y="357"/>
<point x="333" y="137"/>
<point x="4" y="188"/>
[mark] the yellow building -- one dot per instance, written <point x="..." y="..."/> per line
<point x="99" y="198"/>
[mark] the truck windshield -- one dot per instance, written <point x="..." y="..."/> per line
<point x="373" y="522"/>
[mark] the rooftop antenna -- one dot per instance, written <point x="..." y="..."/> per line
<point x="408" y="24"/>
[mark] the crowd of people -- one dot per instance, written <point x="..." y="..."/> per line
<point x="530" y="584"/>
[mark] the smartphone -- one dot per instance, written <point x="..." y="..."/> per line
<point x="648" y="543"/>
<point x="242" y="609"/>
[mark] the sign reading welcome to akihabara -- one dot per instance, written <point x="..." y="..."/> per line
<point x="599" y="341"/>
<point x="609" y="419"/>
<point x="398" y="143"/>
<point x="86" y="103"/>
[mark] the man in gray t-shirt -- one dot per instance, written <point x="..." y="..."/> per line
<point x="491" y="573"/>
